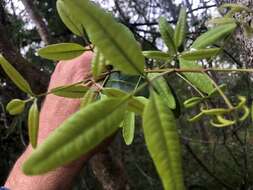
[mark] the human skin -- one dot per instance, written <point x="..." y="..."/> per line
<point x="54" y="111"/>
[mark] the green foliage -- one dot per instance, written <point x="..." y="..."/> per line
<point x="15" y="106"/>
<point x="200" y="54"/>
<point x="213" y="35"/>
<point x="63" y="51"/>
<point x="112" y="39"/>
<point x="83" y="131"/>
<point x="158" y="55"/>
<point x="98" y="64"/>
<point x="200" y="80"/>
<point x="162" y="140"/>
<point x="14" y="75"/>
<point x="180" y="30"/>
<point x="33" y="124"/>
<point x="70" y="91"/>
<point x="128" y="126"/>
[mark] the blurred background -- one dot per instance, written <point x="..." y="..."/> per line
<point x="213" y="158"/>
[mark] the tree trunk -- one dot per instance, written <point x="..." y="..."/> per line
<point x="38" y="21"/>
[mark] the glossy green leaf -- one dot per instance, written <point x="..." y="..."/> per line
<point x="135" y="104"/>
<point x="78" y="135"/>
<point x="160" y="84"/>
<point x="128" y="127"/>
<point x="98" y="64"/>
<point x="70" y="91"/>
<point x="192" y="102"/>
<point x="88" y="98"/>
<point x="62" y="51"/>
<point x="213" y="35"/>
<point x="181" y="28"/>
<point x="200" y="54"/>
<point x="112" y="39"/>
<point x="162" y="141"/>
<point x="33" y="124"/>
<point x="167" y="33"/>
<point x="14" y="75"/>
<point x="15" y="106"/>
<point x="200" y="80"/>
<point x="157" y="55"/>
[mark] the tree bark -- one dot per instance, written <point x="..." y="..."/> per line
<point x="38" y="21"/>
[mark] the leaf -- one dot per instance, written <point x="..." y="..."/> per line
<point x="162" y="141"/>
<point x="78" y="135"/>
<point x="14" y="75"/>
<point x="62" y="51"/>
<point x="163" y="89"/>
<point x="70" y="91"/>
<point x="88" y="98"/>
<point x="15" y="106"/>
<point x="221" y="21"/>
<point x="213" y="35"/>
<point x="200" y="80"/>
<point x="180" y="30"/>
<point x="222" y="122"/>
<point x="33" y="124"/>
<point x="158" y="55"/>
<point x="98" y="64"/>
<point x="200" y="54"/>
<point x="128" y="126"/>
<point x="167" y="33"/>
<point x="135" y="104"/>
<point x="192" y="102"/>
<point x="112" y="39"/>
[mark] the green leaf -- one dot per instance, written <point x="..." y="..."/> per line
<point x="112" y="39"/>
<point x="88" y="98"/>
<point x="192" y="102"/>
<point x="15" y="106"/>
<point x="181" y="28"/>
<point x="135" y="104"/>
<point x="167" y="33"/>
<point x="14" y="75"/>
<point x="70" y="91"/>
<point x="213" y="35"/>
<point x="78" y="135"/>
<point x="62" y="51"/>
<point x="236" y="7"/>
<point x="200" y="80"/>
<point x="158" y="55"/>
<point x="163" y="89"/>
<point x="162" y="141"/>
<point x="128" y="126"/>
<point x="33" y="124"/>
<point x="222" y="20"/>
<point x="200" y="54"/>
<point x="98" y="64"/>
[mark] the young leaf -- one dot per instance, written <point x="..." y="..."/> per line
<point x="113" y="40"/>
<point x="62" y="51"/>
<point x="163" y="89"/>
<point x="135" y="104"/>
<point x="200" y="80"/>
<point x="180" y="30"/>
<point x="221" y="21"/>
<point x="88" y="98"/>
<point x="98" y="64"/>
<point x="78" y="135"/>
<point x="158" y="55"/>
<point x="213" y="35"/>
<point x="70" y="91"/>
<point x="167" y="33"/>
<point x="162" y="141"/>
<point x="200" y="54"/>
<point x="192" y="102"/>
<point x="33" y="124"/>
<point x="128" y="126"/>
<point x="14" y="75"/>
<point x="15" y="106"/>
